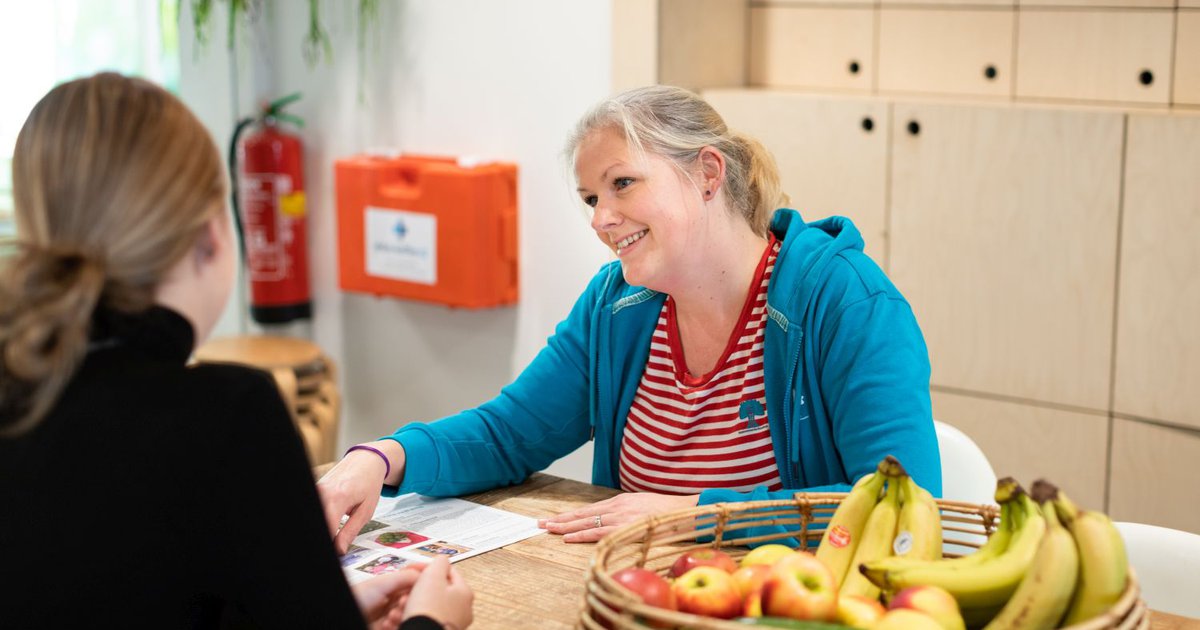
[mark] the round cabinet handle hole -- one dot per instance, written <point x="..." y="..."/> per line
<point x="990" y="72"/>
<point x="854" y="67"/>
<point x="1146" y="77"/>
<point x="914" y="127"/>
<point x="868" y="124"/>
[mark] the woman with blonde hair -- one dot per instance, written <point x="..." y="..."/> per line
<point x="108" y="440"/>
<point x="731" y="352"/>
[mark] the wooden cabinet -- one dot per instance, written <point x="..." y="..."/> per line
<point x="1003" y="238"/>
<point x="1152" y="475"/>
<point x="689" y="43"/>
<point x="1187" y="57"/>
<point x="1110" y="56"/>
<point x="1158" y="339"/>
<point x="946" y="51"/>
<point x="815" y="47"/>
<point x="1092" y="4"/>
<point x="1030" y="442"/>
<point x="832" y="153"/>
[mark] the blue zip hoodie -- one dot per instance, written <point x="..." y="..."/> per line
<point x="845" y="366"/>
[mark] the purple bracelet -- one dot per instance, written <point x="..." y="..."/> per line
<point x="364" y="447"/>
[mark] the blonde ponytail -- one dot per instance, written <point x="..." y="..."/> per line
<point x="675" y="124"/>
<point x="113" y="182"/>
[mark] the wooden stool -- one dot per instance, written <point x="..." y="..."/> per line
<point x="307" y="381"/>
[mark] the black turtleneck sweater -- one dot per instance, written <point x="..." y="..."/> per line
<point x="165" y="496"/>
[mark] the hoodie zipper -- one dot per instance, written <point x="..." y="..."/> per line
<point x="789" y="393"/>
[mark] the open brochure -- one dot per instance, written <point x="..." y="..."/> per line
<point x="413" y="529"/>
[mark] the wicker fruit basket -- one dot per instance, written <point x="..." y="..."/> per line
<point x="656" y="541"/>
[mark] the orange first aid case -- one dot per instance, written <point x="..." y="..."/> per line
<point x="426" y="228"/>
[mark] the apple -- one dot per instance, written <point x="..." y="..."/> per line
<point x="708" y="591"/>
<point x="934" y="601"/>
<point x="752" y="605"/>
<point x="750" y="578"/>
<point x="858" y="611"/>
<point x="703" y="558"/>
<point x="801" y="587"/>
<point x="906" y="619"/>
<point x="651" y="587"/>
<point x="767" y="554"/>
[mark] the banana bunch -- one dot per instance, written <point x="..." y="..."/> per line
<point x="905" y="522"/>
<point x="983" y="581"/>
<point x="1103" y="565"/>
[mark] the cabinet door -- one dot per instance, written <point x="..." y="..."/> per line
<point x="832" y="153"/>
<point x="1131" y="4"/>
<point x="792" y="46"/>
<point x="1187" y="57"/>
<point x="1030" y="442"/>
<point x="1003" y="238"/>
<point x="946" y="51"/>
<point x="1153" y="479"/>
<point x="1158" y="340"/>
<point x="702" y="43"/>
<point x="1109" y="56"/>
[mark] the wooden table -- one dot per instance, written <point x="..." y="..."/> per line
<point x="538" y="582"/>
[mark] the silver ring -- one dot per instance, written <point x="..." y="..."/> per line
<point x="597" y="521"/>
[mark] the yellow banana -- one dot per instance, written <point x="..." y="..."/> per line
<point x="845" y="528"/>
<point x="919" y="527"/>
<point x="1044" y="594"/>
<point x="1006" y="496"/>
<point x="1103" y="565"/>
<point x="980" y="585"/>
<point x="876" y="542"/>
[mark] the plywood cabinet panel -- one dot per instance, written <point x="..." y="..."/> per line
<point x="945" y="51"/>
<point x="1129" y="4"/>
<point x="634" y="44"/>
<point x="1110" y="56"/>
<point x="702" y="43"/>
<point x="1030" y="442"/>
<point x="828" y="161"/>
<point x="816" y="47"/>
<point x="1187" y="57"/>
<point x="1153" y="476"/>
<point x="1158" y="339"/>
<point x="1003" y="238"/>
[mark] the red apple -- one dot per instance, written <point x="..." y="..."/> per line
<point x="649" y="586"/>
<point x="767" y="554"/>
<point x="858" y="611"/>
<point x="703" y="558"/>
<point x="906" y="619"/>
<point x="708" y="591"/>
<point x="800" y="587"/>
<point x="750" y="578"/>
<point x="934" y="601"/>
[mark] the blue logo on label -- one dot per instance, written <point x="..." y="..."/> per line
<point x="750" y="411"/>
<point x="400" y="230"/>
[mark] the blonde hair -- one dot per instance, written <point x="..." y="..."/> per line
<point x="675" y="124"/>
<point x="114" y="180"/>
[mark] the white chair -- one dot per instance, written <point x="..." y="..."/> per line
<point x="966" y="476"/>
<point x="1167" y="562"/>
<point x="966" y="473"/>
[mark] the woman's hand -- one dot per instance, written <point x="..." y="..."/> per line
<point x="352" y="488"/>
<point x="593" y="522"/>
<point x="381" y="598"/>
<point x="442" y="595"/>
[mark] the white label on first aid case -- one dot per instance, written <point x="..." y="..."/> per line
<point x="401" y="245"/>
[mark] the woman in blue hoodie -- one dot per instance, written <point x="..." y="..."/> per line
<point x="731" y="352"/>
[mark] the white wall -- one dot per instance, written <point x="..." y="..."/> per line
<point x="504" y="80"/>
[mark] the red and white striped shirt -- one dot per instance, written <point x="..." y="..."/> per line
<point x="685" y="434"/>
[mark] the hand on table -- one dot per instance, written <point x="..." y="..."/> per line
<point x="352" y="489"/>
<point x="442" y="595"/>
<point x="582" y="525"/>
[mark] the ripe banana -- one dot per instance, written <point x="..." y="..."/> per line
<point x="845" y="528"/>
<point x="980" y="585"/>
<point x="1044" y="594"/>
<point x="919" y="528"/>
<point x="1103" y="565"/>
<point x="876" y="542"/>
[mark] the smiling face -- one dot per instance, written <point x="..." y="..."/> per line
<point x="645" y="210"/>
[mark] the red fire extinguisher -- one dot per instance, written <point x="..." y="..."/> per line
<point x="267" y="172"/>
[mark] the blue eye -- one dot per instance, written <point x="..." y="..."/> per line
<point x="622" y="182"/>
